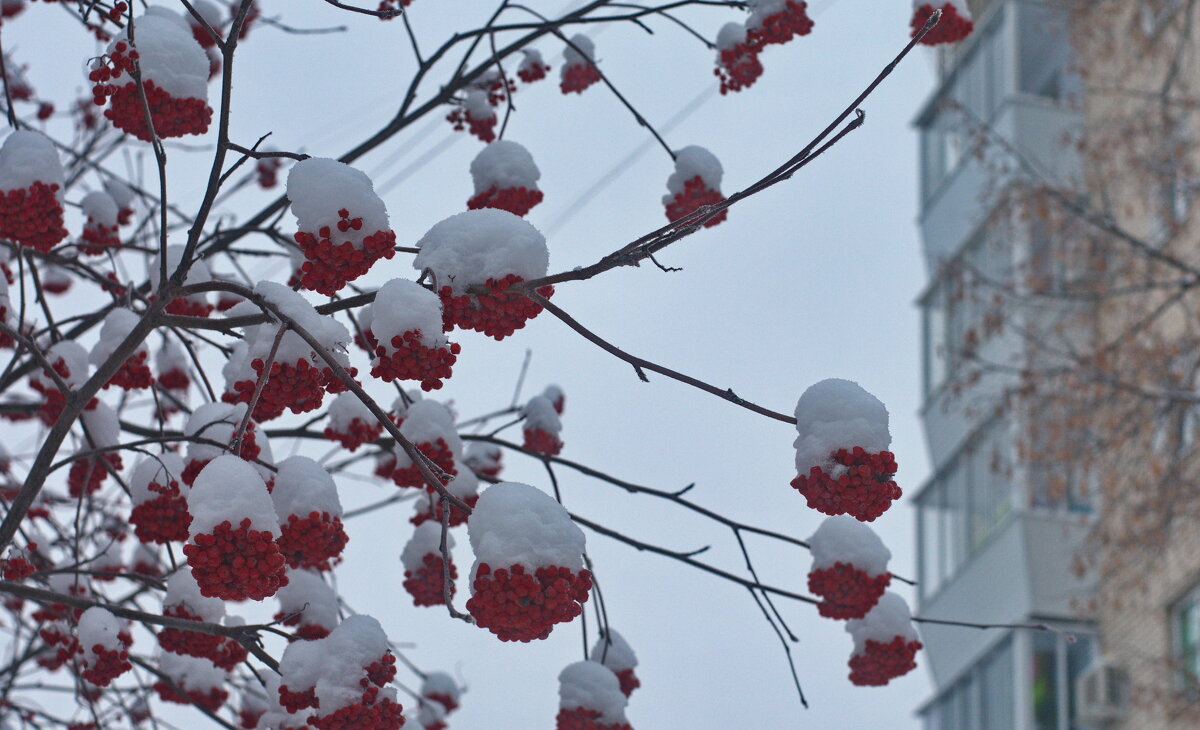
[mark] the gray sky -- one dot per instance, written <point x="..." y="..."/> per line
<point x="814" y="278"/>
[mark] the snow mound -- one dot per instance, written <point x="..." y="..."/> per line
<point x="469" y="248"/>
<point x="843" y="539"/>
<point x="516" y="524"/>
<point x="592" y="686"/>
<point x="837" y="414"/>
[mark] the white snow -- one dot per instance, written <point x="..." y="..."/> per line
<point x="319" y="187"/>
<point x="593" y="686"/>
<point x="400" y="406"/>
<point x="215" y="422"/>
<point x="210" y="12"/>
<point x="539" y="413"/>
<point x="440" y="683"/>
<point x="427" y="421"/>
<point x="230" y="489"/>
<point x="837" y="414"/>
<point x="117" y="326"/>
<point x="330" y="333"/>
<point x="482" y="456"/>
<point x="334" y="665"/>
<point x="101" y="426"/>
<point x="276" y="717"/>
<point x="730" y="35"/>
<point x="469" y="248"/>
<point x="843" y="539"/>
<point x="98" y="626"/>
<point x="690" y="162"/>
<point x="516" y="524"/>
<point x="403" y="306"/>
<point x="572" y="57"/>
<point x="303" y="486"/>
<point x="345" y="408"/>
<point x="198" y="273"/>
<point x="192" y="674"/>
<point x="183" y="591"/>
<point x="73" y="356"/>
<point x="504" y="164"/>
<point x="100" y="207"/>
<point x="28" y="157"/>
<point x="888" y="619"/>
<point x="168" y="55"/>
<point x="760" y="10"/>
<point x="171" y="356"/>
<point x="477" y="106"/>
<point x="427" y="538"/>
<point x="121" y="193"/>
<point x="618" y="656"/>
<point x="430" y="712"/>
<point x="307" y="594"/>
<point x="532" y="59"/>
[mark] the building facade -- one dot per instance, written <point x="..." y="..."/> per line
<point x="1000" y="522"/>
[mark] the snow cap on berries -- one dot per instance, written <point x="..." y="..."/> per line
<point x="229" y="489"/>
<point x="198" y="272"/>
<point x="184" y="592"/>
<point x="161" y="469"/>
<point x="580" y="51"/>
<point x="121" y="193"/>
<point x="192" y="674"/>
<point x="347" y="407"/>
<point x="888" y="619"/>
<point x="117" y="326"/>
<point x="303" y="486"/>
<point x="402" y="306"/>
<point x="28" y="157"/>
<point x="100" y="208"/>
<point x="427" y="538"/>
<point x="837" y="414"/>
<point x="74" y="357"/>
<point x="102" y="426"/>
<point x="730" y="36"/>
<point x="168" y="55"/>
<point x="311" y="597"/>
<point x="334" y="666"/>
<point x="438" y="685"/>
<point x="614" y="652"/>
<point x="426" y="421"/>
<point x="690" y="162"/>
<point x="592" y="686"/>
<point x="504" y="164"/>
<point x="539" y="414"/>
<point x="469" y="248"/>
<point x="98" y="626"/>
<point x="330" y="333"/>
<point x="843" y="539"/>
<point x="483" y="457"/>
<point x="516" y="524"/>
<point x="319" y="187"/>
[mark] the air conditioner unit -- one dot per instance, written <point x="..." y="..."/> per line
<point x="1102" y="693"/>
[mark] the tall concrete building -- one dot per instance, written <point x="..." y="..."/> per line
<point x="999" y="525"/>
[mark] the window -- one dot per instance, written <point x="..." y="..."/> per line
<point x="1055" y="665"/>
<point x="996" y="684"/>
<point x="1185" y="627"/>
<point x="1044" y="67"/>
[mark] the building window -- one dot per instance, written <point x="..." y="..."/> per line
<point x="1185" y="622"/>
<point x="1044" y="53"/>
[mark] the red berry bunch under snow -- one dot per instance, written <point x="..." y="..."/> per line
<point x="579" y="66"/>
<point x="104" y="641"/>
<point x="614" y="652"/>
<point x="343" y="224"/>
<point x="528" y="573"/>
<point x="464" y="486"/>
<point x="310" y="514"/>
<point x="476" y="114"/>
<point x="532" y="67"/>
<point x="474" y="258"/>
<point x="424" y="567"/>
<point x="430" y="427"/>
<point x="342" y="678"/>
<point x="590" y="698"/>
<point x="885" y="643"/>
<point x="406" y="326"/>
<point x="232" y="550"/>
<point x="183" y="600"/>
<point x="134" y="373"/>
<point x="954" y="26"/>
<point x="309" y="604"/>
<point x="192" y="305"/>
<point x="101" y="430"/>
<point x="351" y="423"/>
<point x="842" y="463"/>
<point x="216" y="422"/>
<point x="557" y="397"/>
<point x="11" y="8"/>
<point x="442" y="689"/>
<point x="174" y="379"/>
<point x="738" y="66"/>
<point x="484" y="459"/>
<point x="696" y="182"/>
<point x="505" y="177"/>
<point x="298" y="379"/>
<point x="100" y="228"/>
<point x="849" y="568"/>
<point x="174" y="71"/>
<point x="776" y="21"/>
<point x="193" y="681"/>
<point x="58" y="637"/>
<point x="70" y="361"/>
<point x="31" y="186"/>
<point x="542" y="426"/>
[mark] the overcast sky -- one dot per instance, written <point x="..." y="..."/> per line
<point x="811" y="279"/>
